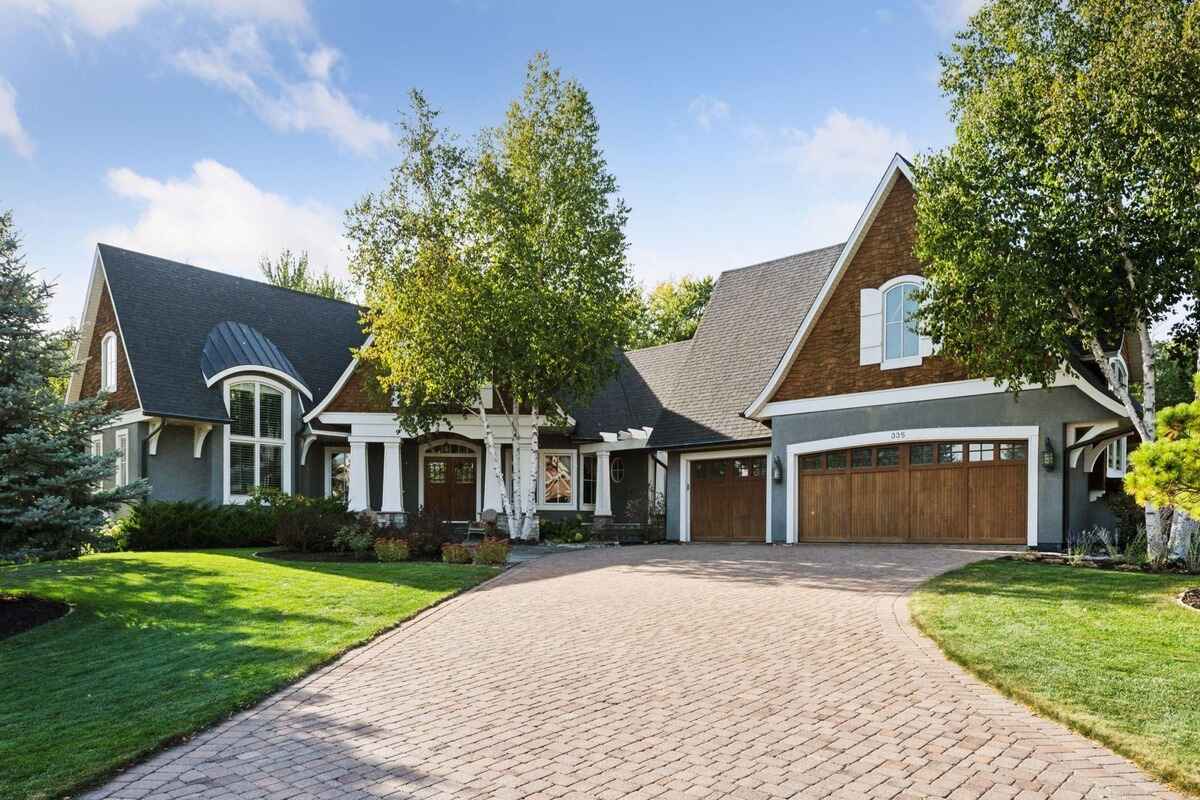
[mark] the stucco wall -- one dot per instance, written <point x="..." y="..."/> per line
<point x="175" y="473"/>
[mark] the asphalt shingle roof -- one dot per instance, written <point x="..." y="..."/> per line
<point x="168" y="309"/>
<point x="634" y="397"/>
<point x="753" y="315"/>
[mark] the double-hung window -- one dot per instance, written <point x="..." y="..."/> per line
<point x="121" y="469"/>
<point x="588" y="481"/>
<point x="258" y="433"/>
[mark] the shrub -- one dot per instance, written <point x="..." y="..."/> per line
<point x="565" y="531"/>
<point x="308" y="529"/>
<point x="492" y="551"/>
<point x="426" y="533"/>
<point x="189" y="524"/>
<point x="1136" y="550"/>
<point x="391" y="549"/>
<point x="456" y="553"/>
<point x="356" y="539"/>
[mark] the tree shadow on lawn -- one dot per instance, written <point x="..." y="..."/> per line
<point x="429" y="576"/>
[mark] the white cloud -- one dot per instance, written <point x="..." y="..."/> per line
<point x="10" y="124"/>
<point x="708" y="110"/>
<point x="216" y="218"/>
<point x="104" y="17"/>
<point x="949" y="16"/>
<point x="825" y="223"/>
<point x="243" y="66"/>
<point x="842" y="146"/>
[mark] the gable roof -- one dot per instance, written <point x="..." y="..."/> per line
<point x="634" y="397"/>
<point x="752" y="315"/>
<point x="898" y="167"/>
<point x="167" y="311"/>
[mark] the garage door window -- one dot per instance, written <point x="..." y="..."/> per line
<point x="836" y="460"/>
<point x="920" y="454"/>
<point x="950" y="453"/>
<point x="887" y="456"/>
<point x="860" y="458"/>
<point x="981" y="451"/>
<point x="810" y="462"/>
<point x="1012" y="451"/>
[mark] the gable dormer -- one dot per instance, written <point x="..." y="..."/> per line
<point x="101" y="351"/>
<point x="859" y="334"/>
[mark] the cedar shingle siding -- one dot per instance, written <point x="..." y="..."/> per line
<point x="827" y="364"/>
<point x="125" y="397"/>
<point x="359" y="396"/>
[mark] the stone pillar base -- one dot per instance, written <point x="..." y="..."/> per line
<point x="600" y="522"/>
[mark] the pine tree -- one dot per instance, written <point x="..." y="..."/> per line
<point x="49" y="503"/>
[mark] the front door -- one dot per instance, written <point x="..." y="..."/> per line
<point x="450" y="488"/>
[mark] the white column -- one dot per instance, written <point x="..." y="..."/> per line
<point x="360" y="496"/>
<point x="491" y="484"/>
<point x="393" y="496"/>
<point x="603" y="492"/>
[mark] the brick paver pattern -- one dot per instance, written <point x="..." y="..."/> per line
<point x="652" y="672"/>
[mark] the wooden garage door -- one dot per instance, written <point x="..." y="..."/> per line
<point x="729" y="499"/>
<point x="941" y="492"/>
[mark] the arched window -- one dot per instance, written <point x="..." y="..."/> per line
<point x="900" y="337"/>
<point x="108" y="362"/>
<point x="258" y="450"/>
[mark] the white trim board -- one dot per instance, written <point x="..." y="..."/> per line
<point x="477" y="455"/>
<point x="1030" y="433"/>
<point x="337" y="387"/>
<point x="685" y="485"/>
<point x="252" y="369"/>
<point x="87" y="327"/>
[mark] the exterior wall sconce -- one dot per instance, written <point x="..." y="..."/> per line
<point x="777" y="470"/>
<point x="1048" y="455"/>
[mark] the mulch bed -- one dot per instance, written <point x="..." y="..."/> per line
<point x="1097" y="562"/>
<point x="1191" y="598"/>
<point x="22" y="612"/>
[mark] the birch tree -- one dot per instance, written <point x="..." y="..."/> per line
<point x="496" y="264"/>
<point x="1065" y="212"/>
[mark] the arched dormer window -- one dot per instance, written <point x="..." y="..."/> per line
<point x="258" y="447"/>
<point x="888" y="331"/>
<point x="108" y="362"/>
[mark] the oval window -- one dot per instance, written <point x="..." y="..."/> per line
<point x="616" y="470"/>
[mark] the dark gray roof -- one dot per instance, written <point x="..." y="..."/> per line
<point x="634" y="397"/>
<point x="168" y="309"/>
<point x="754" y="313"/>
<point x="236" y="344"/>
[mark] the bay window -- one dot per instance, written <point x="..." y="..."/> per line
<point x="257" y="448"/>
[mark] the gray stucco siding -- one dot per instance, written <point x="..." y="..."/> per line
<point x="1048" y="409"/>
<point x="174" y="471"/>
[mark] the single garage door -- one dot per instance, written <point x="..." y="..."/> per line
<point x="729" y="499"/>
<point x="937" y="492"/>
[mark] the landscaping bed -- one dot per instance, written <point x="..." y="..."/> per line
<point x="162" y="644"/>
<point x="19" y="613"/>
<point x="1110" y="653"/>
<point x="1191" y="598"/>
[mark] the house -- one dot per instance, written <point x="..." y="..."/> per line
<point x="806" y="408"/>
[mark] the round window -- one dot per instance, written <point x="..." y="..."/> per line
<point x="616" y="470"/>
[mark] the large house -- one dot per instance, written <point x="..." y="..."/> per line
<point x="806" y="408"/>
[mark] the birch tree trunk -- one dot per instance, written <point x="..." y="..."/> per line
<point x="497" y="471"/>
<point x="527" y="531"/>
<point x="1183" y="527"/>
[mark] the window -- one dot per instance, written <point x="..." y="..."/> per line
<point x="860" y="458"/>
<point x="557" y="485"/>
<point x="900" y="338"/>
<point x="887" y="456"/>
<point x="920" y="454"/>
<point x="980" y="451"/>
<point x="435" y="472"/>
<point x="589" y="480"/>
<point x="108" y="362"/>
<point x="1120" y="372"/>
<point x="121" y="469"/>
<point x="616" y="469"/>
<point x="836" y="460"/>
<point x="741" y="468"/>
<point x="1114" y="458"/>
<point x="1012" y="451"/>
<point x="950" y="453"/>
<point x="258" y="413"/>
<point x="810" y="462"/>
<point x="337" y="472"/>
<point x="450" y="448"/>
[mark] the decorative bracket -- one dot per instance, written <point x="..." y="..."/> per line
<point x="199" y="433"/>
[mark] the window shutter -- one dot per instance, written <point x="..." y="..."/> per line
<point x="870" y="327"/>
<point x="925" y="347"/>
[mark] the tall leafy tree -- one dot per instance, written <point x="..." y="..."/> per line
<point x="499" y="264"/>
<point x="672" y="310"/>
<point x="48" y="477"/>
<point x="292" y="271"/>
<point x="1066" y="209"/>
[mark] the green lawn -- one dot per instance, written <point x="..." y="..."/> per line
<point x="162" y="644"/>
<point x="1111" y="654"/>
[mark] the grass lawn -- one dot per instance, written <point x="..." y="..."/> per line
<point x="162" y="644"/>
<point x="1111" y="654"/>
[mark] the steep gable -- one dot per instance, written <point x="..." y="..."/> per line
<point x="125" y="397"/>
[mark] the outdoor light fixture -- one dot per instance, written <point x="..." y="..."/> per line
<point x="776" y="470"/>
<point x="1048" y="455"/>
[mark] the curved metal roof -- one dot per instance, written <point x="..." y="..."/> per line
<point x="230" y="345"/>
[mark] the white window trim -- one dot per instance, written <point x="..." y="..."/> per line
<point x="329" y="453"/>
<point x="596" y="459"/>
<point x="1120" y="447"/>
<point x="108" y="362"/>
<point x="576" y="475"/>
<point x="902" y="361"/>
<point x="98" y="450"/>
<point x="685" y="480"/>
<point x="1030" y="433"/>
<point x="1121" y="369"/>
<point x="121" y="468"/>
<point x="423" y="450"/>
<point x="285" y="443"/>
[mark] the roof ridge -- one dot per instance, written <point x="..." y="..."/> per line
<point x="228" y="275"/>
<point x="839" y="245"/>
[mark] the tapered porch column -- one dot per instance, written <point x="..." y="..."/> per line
<point x="603" y="490"/>
<point x="360" y="496"/>
<point x="393" y="495"/>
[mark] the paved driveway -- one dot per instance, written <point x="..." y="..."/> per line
<point x="643" y="672"/>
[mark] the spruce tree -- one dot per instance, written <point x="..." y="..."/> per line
<point x="50" y="505"/>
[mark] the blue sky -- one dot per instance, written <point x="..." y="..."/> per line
<point x="214" y="132"/>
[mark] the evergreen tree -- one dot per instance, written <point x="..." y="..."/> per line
<point x="49" y="502"/>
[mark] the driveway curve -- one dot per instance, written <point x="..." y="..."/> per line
<point x="652" y="672"/>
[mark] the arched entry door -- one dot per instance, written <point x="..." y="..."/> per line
<point x="449" y="475"/>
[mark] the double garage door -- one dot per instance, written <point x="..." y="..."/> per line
<point x="937" y="492"/>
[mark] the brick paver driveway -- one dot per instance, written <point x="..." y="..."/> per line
<point x="671" y="672"/>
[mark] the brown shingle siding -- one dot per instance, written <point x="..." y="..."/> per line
<point x="125" y="397"/>
<point x="358" y="395"/>
<point x="827" y="364"/>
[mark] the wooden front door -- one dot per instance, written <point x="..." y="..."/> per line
<point x="935" y="492"/>
<point x="729" y="499"/>
<point x="450" y="488"/>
